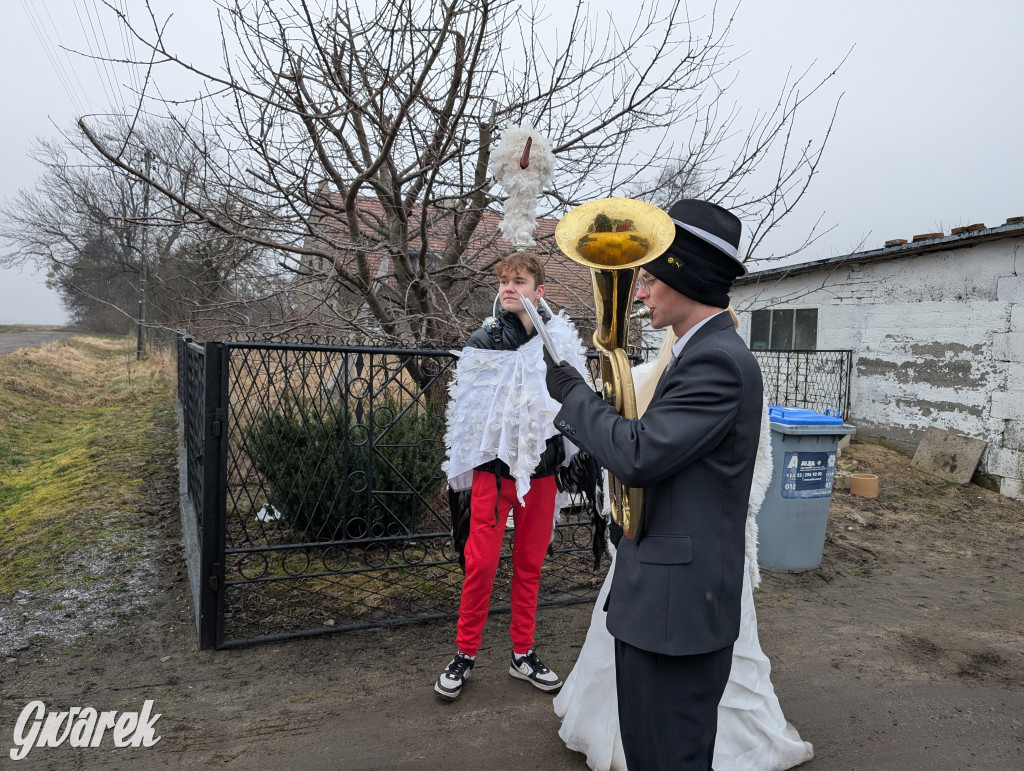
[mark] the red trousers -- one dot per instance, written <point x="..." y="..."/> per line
<point x="533" y="525"/>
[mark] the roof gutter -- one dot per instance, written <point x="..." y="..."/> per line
<point x="1014" y="228"/>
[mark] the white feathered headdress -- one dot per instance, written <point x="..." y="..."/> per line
<point x="522" y="164"/>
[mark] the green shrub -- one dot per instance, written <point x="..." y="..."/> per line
<point x="334" y="476"/>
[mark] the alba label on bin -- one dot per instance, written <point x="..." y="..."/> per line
<point x="808" y="474"/>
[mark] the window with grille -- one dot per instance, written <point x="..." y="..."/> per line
<point x="784" y="329"/>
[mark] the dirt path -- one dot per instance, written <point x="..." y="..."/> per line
<point x="905" y="649"/>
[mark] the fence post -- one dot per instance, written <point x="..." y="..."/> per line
<point x="211" y="595"/>
<point x="183" y="339"/>
<point x="848" y="355"/>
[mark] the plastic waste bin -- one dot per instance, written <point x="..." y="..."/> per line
<point x="791" y="522"/>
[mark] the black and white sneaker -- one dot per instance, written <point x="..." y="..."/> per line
<point x="449" y="684"/>
<point x="530" y="668"/>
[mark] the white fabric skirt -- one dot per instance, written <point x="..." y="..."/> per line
<point x="753" y="734"/>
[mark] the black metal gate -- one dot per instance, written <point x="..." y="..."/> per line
<point x="313" y="496"/>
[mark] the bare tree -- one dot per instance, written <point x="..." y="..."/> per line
<point x="96" y="291"/>
<point x="106" y="245"/>
<point x="357" y="136"/>
<point x="81" y="226"/>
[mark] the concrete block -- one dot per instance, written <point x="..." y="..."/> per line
<point x="1013" y="434"/>
<point x="1005" y="462"/>
<point x="1017" y="316"/>
<point x="948" y="456"/>
<point x="846" y="464"/>
<point x="1008" y="405"/>
<point x="1008" y="346"/>
<point x="1010" y="289"/>
<point x="1012" y="488"/>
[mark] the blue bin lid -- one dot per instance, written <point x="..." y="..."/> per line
<point x="795" y="416"/>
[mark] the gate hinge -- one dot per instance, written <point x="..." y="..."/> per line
<point x="214" y="581"/>
<point x="217" y="423"/>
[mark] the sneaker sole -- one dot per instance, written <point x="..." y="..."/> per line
<point x="446" y="695"/>
<point x="542" y="686"/>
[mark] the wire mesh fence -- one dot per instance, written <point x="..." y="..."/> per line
<point x="813" y="380"/>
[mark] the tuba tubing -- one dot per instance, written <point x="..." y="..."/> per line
<point x="613" y="237"/>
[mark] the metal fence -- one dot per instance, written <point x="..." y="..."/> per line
<point x="814" y="380"/>
<point x="313" y="495"/>
<point x="201" y="481"/>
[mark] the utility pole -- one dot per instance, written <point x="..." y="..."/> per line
<point x="143" y="260"/>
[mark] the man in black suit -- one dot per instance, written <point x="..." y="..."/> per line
<point x="674" y="604"/>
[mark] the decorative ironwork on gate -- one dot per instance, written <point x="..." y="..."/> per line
<point x="313" y="493"/>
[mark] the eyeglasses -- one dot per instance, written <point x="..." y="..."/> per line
<point x="646" y="282"/>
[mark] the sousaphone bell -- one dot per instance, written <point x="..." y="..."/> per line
<point x="613" y="237"/>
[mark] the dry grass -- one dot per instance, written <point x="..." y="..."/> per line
<point x="86" y="372"/>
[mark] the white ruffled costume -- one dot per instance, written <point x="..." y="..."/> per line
<point x="500" y="407"/>
<point x="753" y="734"/>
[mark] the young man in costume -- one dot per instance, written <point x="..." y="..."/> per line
<point x="500" y="437"/>
<point x="674" y="603"/>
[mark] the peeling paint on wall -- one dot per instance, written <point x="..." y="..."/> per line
<point x="945" y="350"/>
<point x="925" y="372"/>
<point x="1013" y="435"/>
<point x="937" y="341"/>
<point x="938" y="409"/>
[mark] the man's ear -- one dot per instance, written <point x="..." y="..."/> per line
<point x="540" y="291"/>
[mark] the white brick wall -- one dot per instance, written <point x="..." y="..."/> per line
<point x="1005" y="462"/>
<point x="938" y="340"/>
<point x="1017" y="315"/>
<point x="1011" y="289"/>
<point x="1006" y="405"/>
<point x="1008" y="346"/>
<point x="1015" y="375"/>
<point x="1012" y="488"/>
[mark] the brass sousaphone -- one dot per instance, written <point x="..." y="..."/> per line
<point x="613" y="237"/>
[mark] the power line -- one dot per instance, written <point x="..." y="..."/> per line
<point x="107" y="80"/>
<point x="128" y="45"/>
<point x="55" y="61"/>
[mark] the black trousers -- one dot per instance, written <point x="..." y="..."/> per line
<point x="668" y="706"/>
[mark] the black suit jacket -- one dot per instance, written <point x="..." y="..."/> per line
<point x="677" y="590"/>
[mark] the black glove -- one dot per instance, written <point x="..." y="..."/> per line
<point x="561" y="378"/>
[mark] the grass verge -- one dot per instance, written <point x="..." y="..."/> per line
<point x="77" y="439"/>
<point x="13" y="328"/>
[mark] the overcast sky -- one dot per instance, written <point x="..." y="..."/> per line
<point x="927" y="136"/>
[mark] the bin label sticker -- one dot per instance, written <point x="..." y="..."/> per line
<point x="808" y="474"/>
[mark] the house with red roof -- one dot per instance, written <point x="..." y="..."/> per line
<point x="568" y="284"/>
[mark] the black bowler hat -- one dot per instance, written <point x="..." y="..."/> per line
<point x="703" y="260"/>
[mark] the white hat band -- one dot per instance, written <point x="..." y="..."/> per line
<point x="711" y="238"/>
